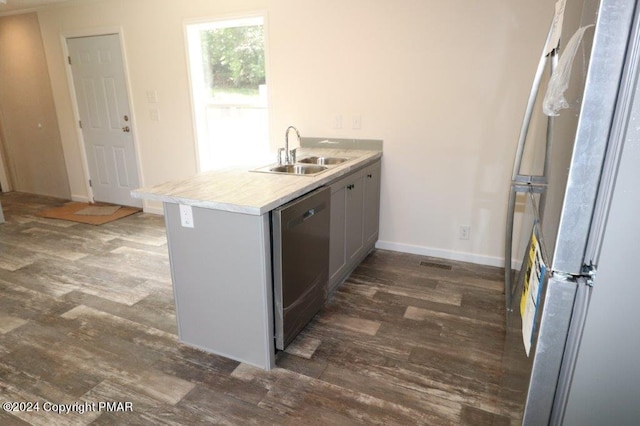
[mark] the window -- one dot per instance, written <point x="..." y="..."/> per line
<point x="229" y="91"/>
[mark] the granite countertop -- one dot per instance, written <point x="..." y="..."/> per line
<point x="243" y="191"/>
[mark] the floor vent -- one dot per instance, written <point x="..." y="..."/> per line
<point x="436" y="265"/>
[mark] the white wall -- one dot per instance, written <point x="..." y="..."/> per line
<point x="29" y="136"/>
<point x="443" y="83"/>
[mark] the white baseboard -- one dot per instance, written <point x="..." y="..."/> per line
<point x="153" y="207"/>
<point x="442" y="254"/>
<point x="80" y="198"/>
<point x="153" y="210"/>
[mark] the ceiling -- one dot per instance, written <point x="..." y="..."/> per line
<point x="24" y="5"/>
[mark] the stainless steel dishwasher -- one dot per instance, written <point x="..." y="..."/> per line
<point x="300" y="231"/>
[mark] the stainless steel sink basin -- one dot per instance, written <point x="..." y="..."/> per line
<point x="298" y="169"/>
<point x="294" y="169"/>
<point x="323" y="160"/>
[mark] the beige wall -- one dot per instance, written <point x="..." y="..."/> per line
<point x="30" y="138"/>
<point x="443" y="83"/>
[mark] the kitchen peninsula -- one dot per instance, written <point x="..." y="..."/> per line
<point x="219" y="236"/>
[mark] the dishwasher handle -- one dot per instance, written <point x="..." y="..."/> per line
<point x="306" y="215"/>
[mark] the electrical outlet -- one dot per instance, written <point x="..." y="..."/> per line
<point x="186" y="216"/>
<point x="337" y="121"/>
<point x="465" y="232"/>
<point x="356" y="122"/>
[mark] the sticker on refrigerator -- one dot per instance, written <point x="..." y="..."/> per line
<point x="532" y="288"/>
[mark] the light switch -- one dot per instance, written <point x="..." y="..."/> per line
<point x="186" y="216"/>
<point x="152" y="96"/>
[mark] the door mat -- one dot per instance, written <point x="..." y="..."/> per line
<point x="98" y="211"/>
<point x="92" y="214"/>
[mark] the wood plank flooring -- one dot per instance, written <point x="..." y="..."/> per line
<point x="87" y="315"/>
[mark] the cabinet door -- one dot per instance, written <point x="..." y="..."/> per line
<point x="349" y="201"/>
<point x="354" y="217"/>
<point x="337" y="254"/>
<point x="372" y="203"/>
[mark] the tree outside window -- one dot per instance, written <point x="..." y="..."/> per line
<point x="229" y="91"/>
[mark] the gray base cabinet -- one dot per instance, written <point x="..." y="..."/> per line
<point x="221" y="270"/>
<point x="355" y="215"/>
<point x="372" y="204"/>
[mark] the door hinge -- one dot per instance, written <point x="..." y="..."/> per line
<point x="90" y="184"/>
<point x="69" y="59"/>
<point x="589" y="272"/>
<point x="80" y="123"/>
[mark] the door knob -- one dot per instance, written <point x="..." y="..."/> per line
<point x="126" y="129"/>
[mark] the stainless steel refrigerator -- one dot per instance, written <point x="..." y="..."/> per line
<point x="572" y="248"/>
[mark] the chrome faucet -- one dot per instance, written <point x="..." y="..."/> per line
<point x="289" y="156"/>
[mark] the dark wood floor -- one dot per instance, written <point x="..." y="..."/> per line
<point x="87" y="315"/>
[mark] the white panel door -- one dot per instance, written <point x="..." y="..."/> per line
<point x="103" y="104"/>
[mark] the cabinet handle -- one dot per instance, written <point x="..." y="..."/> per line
<point x="369" y="175"/>
<point x="350" y="186"/>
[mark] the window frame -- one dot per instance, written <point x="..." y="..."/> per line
<point x="197" y="74"/>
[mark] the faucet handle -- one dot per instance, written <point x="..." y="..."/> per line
<point x="280" y="151"/>
<point x="292" y="155"/>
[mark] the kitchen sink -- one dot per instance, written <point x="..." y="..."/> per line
<point x="298" y="169"/>
<point x="293" y="169"/>
<point x="307" y="166"/>
<point x="323" y="160"/>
